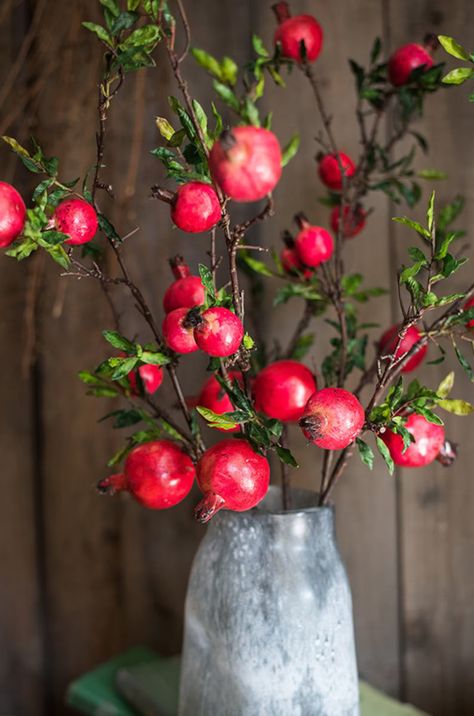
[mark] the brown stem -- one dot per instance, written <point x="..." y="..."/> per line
<point x="285" y="475"/>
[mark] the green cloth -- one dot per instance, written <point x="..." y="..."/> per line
<point x="150" y="683"/>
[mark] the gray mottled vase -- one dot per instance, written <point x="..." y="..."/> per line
<point x="268" y="625"/>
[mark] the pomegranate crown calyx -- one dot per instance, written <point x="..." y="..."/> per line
<point x="287" y="239"/>
<point x="193" y="318"/>
<point x="282" y="11"/>
<point x="178" y="266"/>
<point x="207" y="508"/>
<point x="227" y="140"/>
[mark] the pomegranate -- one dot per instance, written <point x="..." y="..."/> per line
<point x="290" y="260"/>
<point x="354" y="220"/>
<point x="187" y="291"/>
<point x="151" y="377"/>
<point x="293" y="31"/>
<point x="195" y="207"/>
<point x="429" y="440"/>
<point x="178" y="331"/>
<point x="231" y="475"/>
<point x="330" y="172"/>
<point x="76" y="218"/>
<point x="246" y="163"/>
<point x="282" y="390"/>
<point x="218" y="332"/>
<point x="157" y="474"/>
<point x="469" y="304"/>
<point x="214" y="397"/>
<point x="12" y="214"/>
<point x="332" y="419"/>
<point x="314" y="244"/>
<point x="406" y="59"/>
<point x="390" y="339"/>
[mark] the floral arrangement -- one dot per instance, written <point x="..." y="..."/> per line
<point x="214" y="158"/>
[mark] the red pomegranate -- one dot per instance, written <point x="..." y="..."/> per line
<point x="293" y="31"/>
<point x="231" y="475"/>
<point x="282" y="390"/>
<point x="151" y="377"/>
<point x="314" y="244"/>
<point x="187" y="291"/>
<point x="389" y="341"/>
<point x="246" y="163"/>
<point x="195" y="207"/>
<point x="406" y="59"/>
<point x="332" y="418"/>
<point x="157" y="474"/>
<point x="218" y="332"/>
<point x="214" y="397"/>
<point x="290" y="260"/>
<point x="469" y="304"/>
<point x="12" y="214"/>
<point x="354" y="220"/>
<point x="178" y="331"/>
<point x="76" y="218"/>
<point x="429" y="440"/>
<point x="330" y="172"/>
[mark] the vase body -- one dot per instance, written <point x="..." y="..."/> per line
<point x="268" y="620"/>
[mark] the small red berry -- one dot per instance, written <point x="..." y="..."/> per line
<point x="157" y="474"/>
<point x="151" y="377"/>
<point x="195" y="207"/>
<point x="219" y="332"/>
<point x="332" y="419"/>
<point x="330" y="172"/>
<point x="178" y="331"/>
<point x="314" y="244"/>
<point x="292" y="31"/>
<point x="246" y="163"/>
<point x="469" y="304"/>
<point x="283" y="388"/>
<point x="406" y="59"/>
<point x="12" y="214"/>
<point x="429" y="440"/>
<point x="389" y="341"/>
<point x="214" y="397"/>
<point x="187" y="291"/>
<point x="76" y="218"/>
<point x="231" y="475"/>
<point x="354" y="220"/>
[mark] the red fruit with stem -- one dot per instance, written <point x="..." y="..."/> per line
<point x="214" y="397"/>
<point x="187" y="291"/>
<point x="246" y="163"/>
<point x="151" y="377"/>
<point x="178" y="331"/>
<point x="429" y="440"/>
<point x="293" y="31"/>
<point x="406" y="59"/>
<point x="314" y="244"/>
<point x="218" y="332"/>
<point x="389" y="341"/>
<point x="76" y="218"/>
<point x="282" y="390"/>
<point x="231" y="475"/>
<point x="12" y="214"/>
<point x="157" y="474"/>
<point x="195" y="207"/>
<point x="333" y="418"/>
<point x="290" y="260"/>
<point x="354" y="220"/>
<point x="469" y="304"/>
<point x="330" y="171"/>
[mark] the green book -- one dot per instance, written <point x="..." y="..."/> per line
<point x="140" y="683"/>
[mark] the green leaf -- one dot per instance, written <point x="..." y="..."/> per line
<point x="226" y="95"/>
<point x="100" y="31"/>
<point x="366" y="453"/>
<point x="58" y="254"/>
<point x="453" y="48"/>
<point x="200" y="116"/>
<point x="53" y="237"/>
<point x="154" y="358"/>
<point x="164" y="128"/>
<point x="430" y="212"/>
<point x="457" y="407"/>
<point x="112" y="6"/>
<point x="117" y="458"/>
<point x="208" y="62"/>
<point x="416" y="254"/>
<point x="257" y="266"/>
<point x="119" y="342"/>
<point x="259" y="47"/>
<point x="290" y="150"/>
<point x="89" y="378"/>
<point x="142" y="36"/>
<point x="412" y="271"/>
<point x="458" y="76"/>
<point x="303" y="345"/>
<point x="285" y="456"/>
<point x="15" y="146"/>
<point x="446" y="385"/>
<point x="413" y="225"/>
<point x="375" y="52"/>
<point x="133" y="5"/>
<point x="427" y="413"/>
<point x="384" y="451"/>
<point x="248" y="342"/>
<point x="351" y="283"/>
<point x="122" y="366"/>
<point x="125" y="21"/>
<point x="432" y="174"/>
<point x="443" y="245"/>
<point x="124" y="418"/>
<point x="229" y="70"/>
<point x="108" y="228"/>
<point x="464" y="363"/>
<point x="207" y="281"/>
<point x="214" y="420"/>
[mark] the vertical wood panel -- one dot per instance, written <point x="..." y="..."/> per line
<point x="437" y="531"/>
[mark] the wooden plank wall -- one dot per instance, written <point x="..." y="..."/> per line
<point x="82" y="577"/>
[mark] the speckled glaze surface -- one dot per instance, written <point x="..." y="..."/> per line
<point x="268" y="624"/>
